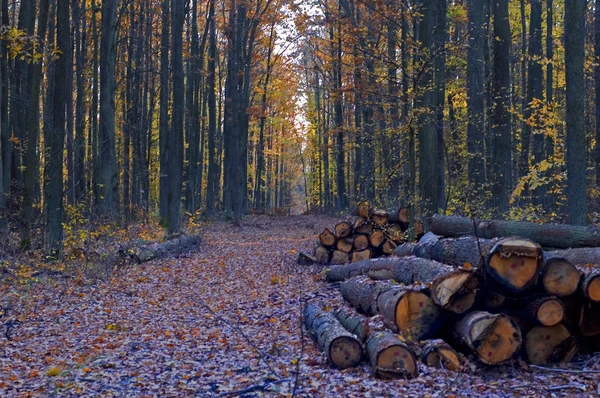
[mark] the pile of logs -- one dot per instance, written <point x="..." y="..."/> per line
<point x="372" y="233"/>
<point x="472" y="292"/>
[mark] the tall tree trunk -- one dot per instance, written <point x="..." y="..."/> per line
<point x="109" y="198"/>
<point x="55" y="146"/>
<point x="501" y="125"/>
<point x="336" y="44"/>
<point x="94" y="122"/>
<point x="79" y="19"/>
<point x="31" y="158"/>
<point x="525" y="129"/>
<point x="441" y="36"/>
<point x="393" y="103"/>
<point x="575" y="142"/>
<point x="5" y="148"/>
<point x="429" y="183"/>
<point x="534" y="89"/>
<point x="476" y="93"/>
<point x="597" y="77"/>
<point x="212" y="181"/>
<point x="175" y="154"/>
<point x="164" y="134"/>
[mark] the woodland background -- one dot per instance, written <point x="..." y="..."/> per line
<point x="123" y="111"/>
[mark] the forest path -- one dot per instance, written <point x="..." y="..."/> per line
<point x="220" y="319"/>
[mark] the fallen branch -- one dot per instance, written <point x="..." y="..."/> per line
<point x="559" y="370"/>
<point x="255" y="387"/>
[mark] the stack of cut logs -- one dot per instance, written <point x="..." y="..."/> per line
<point x="467" y="291"/>
<point x="371" y="234"/>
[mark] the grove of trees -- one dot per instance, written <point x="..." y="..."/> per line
<point x="127" y="110"/>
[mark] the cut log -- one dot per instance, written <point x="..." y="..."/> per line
<point x="410" y="311"/>
<point x="548" y="235"/>
<point x="388" y="247"/>
<point x="394" y="232"/>
<point x="339" y="257"/>
<point x="305" y="259"/>
<point x="514" y="263"/>
<point x="366" y="228"/>
<point x="454" y="251"/>
<point x="550" y="344"/>
<point x="342" y="229"/>
<point x="361" y="255"/>
<point x="345" y="245"/>
<point x="493" y="300"/>
<point x="494" y="338"/>
<point x="590" y="285"/>
<point x="379" y="217"/>
<point x="406" y="270"/>
<point x="341" y="347"/>
<point x="438" y="354"/>
<point x="364" y="208"/>
<point x="376" y="239"/>
<point x="361" y="242"/>
<point x="322" y="255"/>
<point x="559" y="277"/>
<point x="579" y="256"/>
<point x="359" y="222"/>
<point x="327" y="238"/>
<point x="546" y="311"/>
<point x="455" y="291"/>
<point x="389" y="356"/>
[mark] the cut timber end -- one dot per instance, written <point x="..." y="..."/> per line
<point x="339" y="257"/>
<point x="379" y="217"/>
<point x="344" y="245"/>
<point x="547" y="311"/>
<point x="389" y="247"/>
<point x="345" y="352"/>
<point x="343" y="229"/>
<point x="591" y="286"/>
<point x="560" y="277"/>
<point x="515" y="263"/>
<point x="376" y="239"/>
<point x="495" y="338"/>
<point x="456" y="291"/>
<point x="364" y="207"/>
<point x="327" y="238"/>
<point x="390" y="357"/>
<point x="412" y="312"/>
<point x="341" y="347"/>
<point x="322" y="255"/>
<point x="360" y="255"/>
<point x="361" y="242"/>
<point x="366" y="228"/>
<point x="394" y="233"/>
<point x="438" y="354"/>
<point x="545" y="344"/>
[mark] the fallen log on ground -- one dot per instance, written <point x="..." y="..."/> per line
<point x="408" y="310"/>
<point x="590" y="285"/>
<point x="438" y="354"/>
<point x="578" y="256"/>
<point x="494" y="338"/>
<point x="548" y="235"/>
<point x="341" y="347"/>
<point x="389" y="356"/>
<point x="453" y="290"/>
<point x="152" y="251"/>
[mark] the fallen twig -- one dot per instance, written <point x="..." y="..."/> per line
<point x="255" y="387"/>
<point x="559" y="370"/>
<point x="566" y="386"/>
<point x="261" y="354"/>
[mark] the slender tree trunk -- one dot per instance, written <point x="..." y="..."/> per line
<point x="164" y="133"/>
<point x="55" y="146"/>
<point x="597" y="77"/>
<point x="525" y="129"/>
<point x="5" y="149"/>
<point x="212" y="181"/>
<point x="79" y="19"/>
<point x="175" y="170"/>
<point x="441" y="37"/>
<point x="476" y="93"/>
<point x="109" y="198"/>
<point x="575" y="142"/>
<point x="501" y="125"/>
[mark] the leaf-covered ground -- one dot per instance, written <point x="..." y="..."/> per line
<point x="223" y="319"/>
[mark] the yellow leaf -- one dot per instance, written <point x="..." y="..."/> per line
<point x="294" y="361"/>
<point x="53" y="371"/>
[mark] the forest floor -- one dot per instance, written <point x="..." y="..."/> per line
<point x="223" y="319"/>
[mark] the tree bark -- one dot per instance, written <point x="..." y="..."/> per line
<point x="575" y="118"/>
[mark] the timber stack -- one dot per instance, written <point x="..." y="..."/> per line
<point x="371" y="233"/>
<point x="464" y="289"/>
